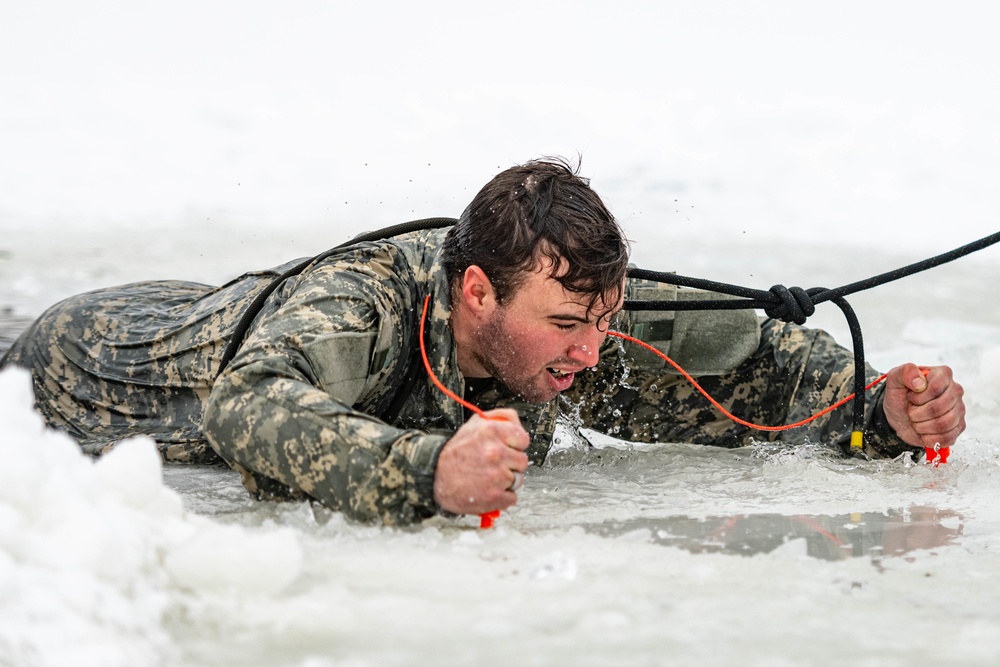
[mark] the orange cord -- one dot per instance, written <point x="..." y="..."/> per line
<point x="430" y="372"/>
<point x="932" y="455"/>
<point x="485" y="520"/>
<point x="725" y="412"/>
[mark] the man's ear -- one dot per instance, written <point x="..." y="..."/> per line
<point x="477" y="292"/>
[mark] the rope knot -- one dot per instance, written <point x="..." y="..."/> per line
<point x="792" y="304"/>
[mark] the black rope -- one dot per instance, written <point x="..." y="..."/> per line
<point x="243" y="326"/>
<point x="767" y="299"/>
<point x="788" y="304"/>
<point x="794" y="304"/>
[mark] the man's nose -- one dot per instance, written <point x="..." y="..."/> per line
<point x="588" y="349"/>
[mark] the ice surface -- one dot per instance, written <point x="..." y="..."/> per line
<point x="755" y="144"/>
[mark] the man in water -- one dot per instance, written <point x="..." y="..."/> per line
<point x="327" y="397"/>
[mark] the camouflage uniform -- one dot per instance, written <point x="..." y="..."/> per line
<point x="794" y="373"/>
<point x="302" y="410"/>
<point x="139" y="358"/>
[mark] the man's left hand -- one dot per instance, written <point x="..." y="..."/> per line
<point x="925" y="410"/>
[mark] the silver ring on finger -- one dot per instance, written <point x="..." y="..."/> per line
<point x="518" y="481"/>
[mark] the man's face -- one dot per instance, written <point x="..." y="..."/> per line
<point x="541" y="337"/>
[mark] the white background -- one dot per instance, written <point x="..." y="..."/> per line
<point x="805" y="143"/>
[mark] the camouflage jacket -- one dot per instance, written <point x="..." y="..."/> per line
<point x="327" y="397"/>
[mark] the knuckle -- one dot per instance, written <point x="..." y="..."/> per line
<point x="938" y="426"/>
<point x="493" y="453"/>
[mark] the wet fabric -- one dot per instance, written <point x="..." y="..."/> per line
<point x="140" y="358"/>
<point x="302" y="410"/>
<point x="794" y="373"/>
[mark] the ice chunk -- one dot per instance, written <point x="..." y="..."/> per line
<point x="229" y="558"/>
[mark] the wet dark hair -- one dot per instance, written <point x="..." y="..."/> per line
<point x="542" y="208"/>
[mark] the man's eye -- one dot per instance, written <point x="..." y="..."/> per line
<point x="566" y="327"/>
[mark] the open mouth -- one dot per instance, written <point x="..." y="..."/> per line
<point x="561" y="380"/>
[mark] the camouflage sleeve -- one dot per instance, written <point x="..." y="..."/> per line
<point x="794" y="373"/>
<point x="282" y="412"/>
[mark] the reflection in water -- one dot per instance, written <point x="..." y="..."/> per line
<point x="874" y="534"/>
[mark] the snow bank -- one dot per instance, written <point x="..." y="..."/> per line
<point x="95" y="555"/>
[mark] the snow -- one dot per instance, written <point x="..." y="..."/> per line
<point x="757" y="144"/>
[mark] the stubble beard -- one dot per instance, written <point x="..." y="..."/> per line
<point x="499" y="355"/>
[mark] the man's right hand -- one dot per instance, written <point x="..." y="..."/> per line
<point x="476" y="468"/>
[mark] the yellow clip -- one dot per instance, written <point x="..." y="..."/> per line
<point x="857" y="440"/>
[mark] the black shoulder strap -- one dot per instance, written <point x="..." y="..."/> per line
<point x="240" y="332"/>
